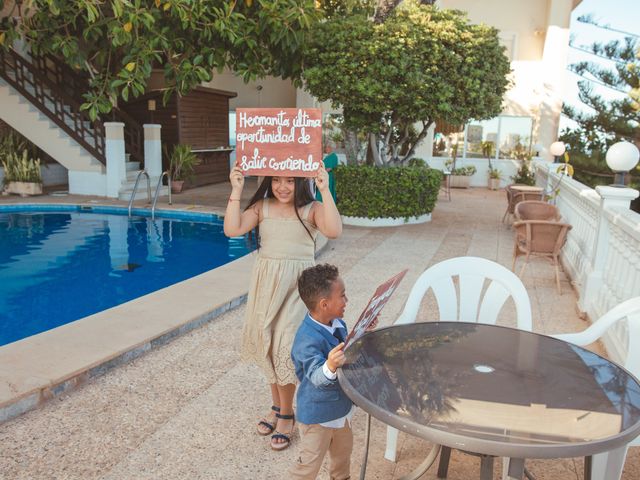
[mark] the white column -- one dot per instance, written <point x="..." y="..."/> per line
<point x="554" y="64"/>
<point x="611" y="197"/>
<point x="428" y="142"/>
<point x="115" y="154"/>
<point x="152" y="150"/>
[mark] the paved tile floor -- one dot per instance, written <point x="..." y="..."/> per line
<point x="187" y="410"/>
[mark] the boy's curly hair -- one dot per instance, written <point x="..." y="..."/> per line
<point x="316" y="282"/>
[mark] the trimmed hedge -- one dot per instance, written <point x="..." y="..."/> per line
<point x="393" y="192"/>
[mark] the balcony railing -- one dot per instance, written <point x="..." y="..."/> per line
<point x="61" y="108"/>
<point x="53" y="87"/>
<point x="73" y="82"/>
<point x="602" y="253"/>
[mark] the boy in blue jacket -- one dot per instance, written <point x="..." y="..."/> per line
<point x="323" y="410"/>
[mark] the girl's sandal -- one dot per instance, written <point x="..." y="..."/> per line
<point x="265" y="427"/>
<point x="283" y="436"/>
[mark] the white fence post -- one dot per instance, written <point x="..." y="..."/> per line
<point x="152" y="150"/>
<point x="115" y="155"/>
<point x="611" y="197"/>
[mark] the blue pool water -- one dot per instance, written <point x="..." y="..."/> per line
<point x="59" y="264"/>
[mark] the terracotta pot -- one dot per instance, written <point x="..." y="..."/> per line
<point x="24" y="189"/>
<point x="176" y="186"/>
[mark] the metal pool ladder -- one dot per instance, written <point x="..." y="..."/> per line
<point x="135" y="188"/>
<point x="155" y="196"/>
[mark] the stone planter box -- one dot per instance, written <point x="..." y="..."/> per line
<point x="459" y="181"/>
<point x="24" y="189"/>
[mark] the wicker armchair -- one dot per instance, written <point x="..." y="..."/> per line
<point x="514" y="197"/>
<point x="536" y="210"/>
<point x="539" y="238"/>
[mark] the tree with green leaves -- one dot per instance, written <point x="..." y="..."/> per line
<point x="417" y="65"/>
<point x="119" y="42"/>
<point x="606" y="121"/>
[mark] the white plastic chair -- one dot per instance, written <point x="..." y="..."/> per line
<point x="471" y="306"/>
<point x="609" y="465"/>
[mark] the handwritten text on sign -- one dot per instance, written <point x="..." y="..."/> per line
<point x="279" y="141"/>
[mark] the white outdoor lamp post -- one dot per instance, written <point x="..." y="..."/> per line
<point x="557" y="149"/>
<point x="622" y="157"/>
<point x="538" y="148"/>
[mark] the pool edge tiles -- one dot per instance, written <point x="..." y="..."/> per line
<point x="43" y="366"/>
<point x="109" y="209"/>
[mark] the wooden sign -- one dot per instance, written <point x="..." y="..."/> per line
<point x="281" y="142"/>
<point x="373" y="308"/>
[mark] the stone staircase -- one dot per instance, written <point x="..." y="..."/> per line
<point x="24" y="117"/>
<point x="40" y="98"/>
<point x="133" y="169"/>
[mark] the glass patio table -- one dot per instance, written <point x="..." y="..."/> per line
<point x="493" y="391"/>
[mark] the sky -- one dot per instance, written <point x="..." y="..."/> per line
<point x="619" y="14"/>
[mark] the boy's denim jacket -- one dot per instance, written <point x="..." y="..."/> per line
<point x="319" y="399"/>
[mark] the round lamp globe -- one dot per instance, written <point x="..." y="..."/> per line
<point x="622" y="156"/>
<point x="557" y="149"/>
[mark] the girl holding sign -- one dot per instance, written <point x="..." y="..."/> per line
<point x="286" y="220"/>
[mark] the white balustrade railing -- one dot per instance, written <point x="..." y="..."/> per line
<point x="602" y="253"/>
<point x="542" y="174"/>
<point x="621" y="272"/>
<point x="579" y="205"/>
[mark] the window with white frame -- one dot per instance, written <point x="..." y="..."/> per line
<point x="479" y="135"/>
<point x="514" y="140"/>
<point x="505" y="136"/>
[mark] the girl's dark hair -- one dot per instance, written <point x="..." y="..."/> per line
<point x="301" y="196"/>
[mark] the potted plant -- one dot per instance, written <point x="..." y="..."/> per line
<point x="22" y="174"/>
<point x="461" y="176"/>
<point x="495" y="176"/>
<point x="524" y="175"/>
<point x="338" y="139"/>
<point x="181" y="166"/>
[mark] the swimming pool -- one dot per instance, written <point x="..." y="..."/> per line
<point x="62" y="263"/>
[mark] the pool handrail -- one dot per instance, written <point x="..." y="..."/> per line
<point x="135" y="188"/>
<point x="155" y="196"/>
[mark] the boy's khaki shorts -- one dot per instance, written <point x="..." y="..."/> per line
<point x="316" y="441"/>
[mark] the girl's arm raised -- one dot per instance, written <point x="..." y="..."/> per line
<point x="238" y="223"/>
<point x="325" y="214"/>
